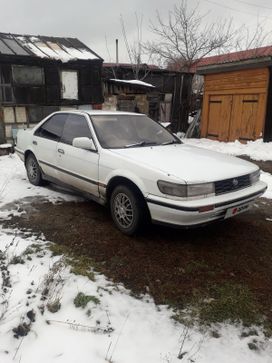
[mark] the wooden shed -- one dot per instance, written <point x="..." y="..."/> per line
<point x="168" y="98"/>
<point x="39" y="75"/>
<point x="237" y="96"/>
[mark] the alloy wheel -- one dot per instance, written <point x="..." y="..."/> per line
<point x="123" y="210"/>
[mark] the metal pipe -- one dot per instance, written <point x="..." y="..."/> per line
<point x="117" y="51"/>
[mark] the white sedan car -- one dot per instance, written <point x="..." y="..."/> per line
<point x="138" y="168"/>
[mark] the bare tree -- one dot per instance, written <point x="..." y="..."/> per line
<point x="186" y="36"/>
<point x="250" y="37"/>
<point x="135" y="49"/>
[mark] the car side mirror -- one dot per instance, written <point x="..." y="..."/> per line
<point x="84" y="143"/>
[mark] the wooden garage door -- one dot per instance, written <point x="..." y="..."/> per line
<point x="247" y="117"/>
<point x="235" y="117"/>
<point x="219" y="113"/>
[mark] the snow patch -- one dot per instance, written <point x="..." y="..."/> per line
<point x="133" y="81"/>
<point x="14" y="184"/>
<point x="54" y="51"/>
<point x="256" y="150"/>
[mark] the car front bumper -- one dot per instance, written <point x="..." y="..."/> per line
<point x="196" y="212"/>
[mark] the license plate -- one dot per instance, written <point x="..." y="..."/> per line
<point x="231" y="212"/>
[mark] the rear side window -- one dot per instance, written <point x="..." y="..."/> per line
<point x="52" y="129"/>
<point x="75" y="126"/>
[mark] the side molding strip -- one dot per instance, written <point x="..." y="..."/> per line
<point x="74" y="175"/>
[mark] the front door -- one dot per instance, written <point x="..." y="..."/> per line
<point x="77" y="167"/>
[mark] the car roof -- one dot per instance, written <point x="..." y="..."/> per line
<point x="100" y="112"/>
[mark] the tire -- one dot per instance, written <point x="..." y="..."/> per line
<point x="33" y="170"/>
<point x="127" y="209"/>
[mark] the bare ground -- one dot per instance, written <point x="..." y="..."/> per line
<point x="173" y="265"/>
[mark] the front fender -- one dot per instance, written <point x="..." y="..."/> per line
<point x="128" y="175"/>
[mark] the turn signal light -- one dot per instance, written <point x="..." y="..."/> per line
<point x="207" y="208"/>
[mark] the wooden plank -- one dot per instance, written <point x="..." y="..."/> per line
<point x="224" y="121"/>
<point x="267" y="132"/>
<point x="249" y="117"/>
<point x="244" y="79"/>
<point x="238" y="91"/>
<point x="260" y="122"/>
<point x="218" y="117"/>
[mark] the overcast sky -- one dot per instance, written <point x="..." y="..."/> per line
<point x="94" y="20"/>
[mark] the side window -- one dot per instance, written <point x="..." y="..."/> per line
<point x="75" y="126"/>
<point x="52" y="129"/>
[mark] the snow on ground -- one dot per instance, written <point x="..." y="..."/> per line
<point x="14" y="184"/>
<point x="115" y="328"/>
<point x="120" y="328"/>
<point x="256" y="150"/>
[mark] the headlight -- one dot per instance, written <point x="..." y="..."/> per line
<point x="178" y="190"/>
<point x="185" y="190"/>
<point x="254" y="177"/>
<point x="200" y="189"/>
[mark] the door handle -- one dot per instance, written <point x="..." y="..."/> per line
<point x="34" y="142"/>
<point x="61" y="151"/>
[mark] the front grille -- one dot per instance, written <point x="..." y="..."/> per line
<point x="230" y="185"/>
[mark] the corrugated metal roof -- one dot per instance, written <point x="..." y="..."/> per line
<point x="244" y="55"/>
<point x="235" y="57"/>
<point x="63" y="49"/>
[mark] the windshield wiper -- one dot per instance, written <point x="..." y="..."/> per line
<point x="170" y="142"/>
<point x="141" y="143"/>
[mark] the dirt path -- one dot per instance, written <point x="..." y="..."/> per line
<point x="172" y="265"/>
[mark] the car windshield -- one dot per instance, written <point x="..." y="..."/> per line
<point x="127" y="131"/>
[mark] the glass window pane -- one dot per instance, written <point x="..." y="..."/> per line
<point x="15" y="47"/>
<point x="52" y="128"/>
<point x="25" y="75"/>
<point x="119" y="131"/>
<point x="75" y="126"/>
<point x="4" y="49"/>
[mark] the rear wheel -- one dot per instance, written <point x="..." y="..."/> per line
<point x="126" y="209"/>
<point x="33" y="170"/>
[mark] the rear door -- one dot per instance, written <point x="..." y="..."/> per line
<point x="45" y="140"/>
<point x="77" y="167"/>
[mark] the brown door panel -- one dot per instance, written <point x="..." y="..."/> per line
<point x="219" y="117"/>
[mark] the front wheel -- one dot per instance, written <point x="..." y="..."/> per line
<point x="126" y="209"/>
<point x="33" y="170"/>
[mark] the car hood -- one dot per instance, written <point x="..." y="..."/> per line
<point x="189" y="163"/>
